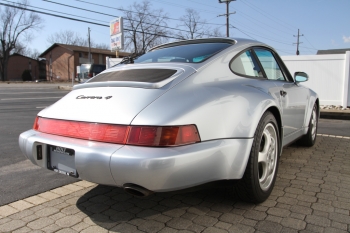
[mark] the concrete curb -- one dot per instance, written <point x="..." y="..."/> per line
<point x="40" y="198"/>
<point x="335" y="114"/>
<point x="66" y="88"/>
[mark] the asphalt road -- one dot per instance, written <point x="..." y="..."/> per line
<point x="19" y="104"/>
<point x="334" y="127"/>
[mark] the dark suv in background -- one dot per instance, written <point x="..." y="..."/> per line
<point x="88" y="71"/>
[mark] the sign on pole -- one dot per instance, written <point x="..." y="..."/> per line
<point x="117" y="35"/>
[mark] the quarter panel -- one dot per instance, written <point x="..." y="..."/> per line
<point x="166" y="169"/>
<point x="223" y="106"/>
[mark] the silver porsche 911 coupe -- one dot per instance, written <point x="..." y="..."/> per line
<point x="184" y="114"/>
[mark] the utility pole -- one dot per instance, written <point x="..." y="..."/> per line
<point x="298" y="41"/>
<point x="227" y="15"/>
<point x="89" y="45"/>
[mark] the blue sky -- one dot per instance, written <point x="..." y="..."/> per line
<point x="325" y="24"/>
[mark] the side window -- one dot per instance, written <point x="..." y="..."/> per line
<point x="246" y="65"/>
<point x="269" y="64"/>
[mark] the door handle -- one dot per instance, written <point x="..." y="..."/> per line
<point x="283" y="93"/>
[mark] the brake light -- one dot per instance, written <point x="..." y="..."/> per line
<point x="120" y="134"/>
<point x="163" y="135"/>
<point x="83" y="130"/>
<point x="35" y="125"/>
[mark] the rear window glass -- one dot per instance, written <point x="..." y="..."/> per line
<point x="135" y="75"/>
<point x="189" y="53"/>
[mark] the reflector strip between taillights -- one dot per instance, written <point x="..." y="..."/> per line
<point x="120" y="134"/>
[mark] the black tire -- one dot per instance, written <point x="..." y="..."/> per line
<point x="309" y="138"/>
<point x="252" y="187"/>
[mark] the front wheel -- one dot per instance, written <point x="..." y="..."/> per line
<point x="260" y="174"/>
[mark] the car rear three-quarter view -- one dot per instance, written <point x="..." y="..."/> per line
<point x="183" y="114"/>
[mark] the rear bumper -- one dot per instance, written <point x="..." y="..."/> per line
<point x="156" y="169"/>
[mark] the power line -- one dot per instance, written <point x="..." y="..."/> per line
<point x="242" y="32"/>
<point x="266" y="15"/>
<point x="46" y="13"/>
<point x="205" y="4"/>
<point x="245" y="26"/>
<point x="56" y="11"/>
<point x="257" y="39"/>
<point x="262" y="24"/>
<point x="260" y="36"/>
<point x="309" y="42"/>
<point x="185" y="7"/>
<point x="83" y="9"/>
<point x="84" y="21"/>
<point x="121" y="9"/>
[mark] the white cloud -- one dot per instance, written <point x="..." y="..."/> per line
<point x="346" y="39"/>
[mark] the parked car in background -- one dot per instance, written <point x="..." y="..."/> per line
<point x="184" y="114"/>
<point x="88" y="71"/>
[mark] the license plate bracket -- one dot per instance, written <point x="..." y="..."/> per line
<point x="61" y="160"/>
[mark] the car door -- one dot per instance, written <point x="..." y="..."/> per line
<point x="293" y="97"/>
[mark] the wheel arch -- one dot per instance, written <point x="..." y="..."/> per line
<point x="317" y="102"/>
<point x="277" y="114"/>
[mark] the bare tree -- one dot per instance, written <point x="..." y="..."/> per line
<point x="216" y="32"/>
<point x="28" y="52"/>
<point x="101" y="46"/>
<point x="16" y="26"/>
<point x="146" y="27"/>
<point x="70" y="37"/>
<point x="67" y="37"/>
<point x="195" y="26"/>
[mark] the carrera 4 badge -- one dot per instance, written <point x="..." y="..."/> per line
<point x="94" y="97"/>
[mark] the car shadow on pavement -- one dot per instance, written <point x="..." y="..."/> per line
<point x="113" y="209"/>
<point x="311" y="193"/>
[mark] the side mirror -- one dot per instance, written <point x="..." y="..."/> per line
<point x="301" y="77"/>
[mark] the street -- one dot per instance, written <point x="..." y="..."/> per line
<point x="19" y="104"/>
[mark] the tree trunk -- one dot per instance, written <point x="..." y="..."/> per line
<point x="2" y="72"/>
<point x="4" y="63"/>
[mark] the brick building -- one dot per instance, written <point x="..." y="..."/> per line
<point x="18" y="64"/>
<point x="62" y="59"/>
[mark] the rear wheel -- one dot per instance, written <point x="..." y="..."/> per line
<point x="309" y="138"/>
<point x="260" y="174"/>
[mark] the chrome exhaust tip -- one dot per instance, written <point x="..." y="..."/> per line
<point x="136" y="190"/>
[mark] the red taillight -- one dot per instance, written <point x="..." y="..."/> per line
<point x="83" y="130"/>
<point x="120" y="134"/>
<point x="35" y="125"/>
<point x="163" y="135"/>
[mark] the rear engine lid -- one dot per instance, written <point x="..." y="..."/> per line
<point x="114" y="102"/>
<point x="114" y="105"/>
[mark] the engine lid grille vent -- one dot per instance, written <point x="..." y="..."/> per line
<point x="135" y="75"/>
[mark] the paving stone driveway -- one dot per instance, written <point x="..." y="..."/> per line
<point x="312" y="194"/>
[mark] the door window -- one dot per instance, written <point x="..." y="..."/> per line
<point x="269" y="64"/>
<point x="246" y="65"/>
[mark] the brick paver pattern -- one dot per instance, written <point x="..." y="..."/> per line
<point x="311" y="194"/>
